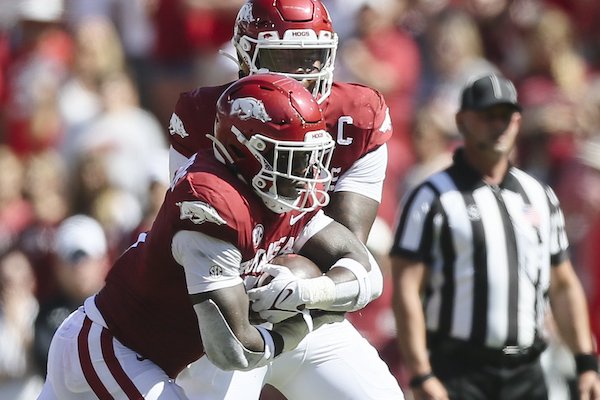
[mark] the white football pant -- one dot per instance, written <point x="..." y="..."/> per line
<point x="112" y="371"/>
<point x="332" y="362"/>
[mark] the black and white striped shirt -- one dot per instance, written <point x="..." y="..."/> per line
<point x="489" y="250"/>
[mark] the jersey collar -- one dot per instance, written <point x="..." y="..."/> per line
<point x="470" y="178"/>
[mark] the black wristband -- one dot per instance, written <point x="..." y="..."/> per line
<point x="586" y="362"/>
<point x="277" y="341"/>
<point x="418" y="380"/>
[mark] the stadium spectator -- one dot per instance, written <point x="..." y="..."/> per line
<point x="81" y="261"/>
<point x="19" y="379"/>
<point x="45" y="188"/>
<point x="366" y="59"/>
<point x="39" y="63"/>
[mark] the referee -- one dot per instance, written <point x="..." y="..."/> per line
<point x="479" y="250"/>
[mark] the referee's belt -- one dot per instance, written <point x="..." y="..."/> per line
<point x="506" y="357"/>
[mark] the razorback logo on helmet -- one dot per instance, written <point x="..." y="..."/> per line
<point x="176" y="126"/>
<point x="249" y="107"/>
<point x="245" y="13"/>
<point x="199" y="212"/>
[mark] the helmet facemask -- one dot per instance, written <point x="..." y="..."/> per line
<point x="270" y="130"/>
<point x="300" y="54"/>
<point x="293" y="175"/>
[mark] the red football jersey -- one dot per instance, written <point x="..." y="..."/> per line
<point x="145" y="300"/>
<point x="357" y="117"/>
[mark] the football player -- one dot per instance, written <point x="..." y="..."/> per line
<point x="296" y="38"/>
<point x="274" y="35"/>
<point x="179" y="293"/>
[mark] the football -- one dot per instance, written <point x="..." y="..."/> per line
<point x="300" y="266"/>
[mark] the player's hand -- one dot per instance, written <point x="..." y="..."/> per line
<point x="284" y="294"/>
<point x="431" y="389"/>
<point x="589" y="386"/>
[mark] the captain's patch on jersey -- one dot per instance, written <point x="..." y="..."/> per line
<point x="176" y="126"/>
<point x="199" y="212"/>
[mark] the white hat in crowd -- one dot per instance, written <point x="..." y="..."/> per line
<point x="589" y="153"/>
<point x="41" y="10"/>
<point x="80" y="236"/>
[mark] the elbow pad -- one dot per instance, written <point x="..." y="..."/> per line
<point x="221" y="345"/>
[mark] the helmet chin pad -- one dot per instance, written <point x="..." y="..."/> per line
<point x="274" y="205"/>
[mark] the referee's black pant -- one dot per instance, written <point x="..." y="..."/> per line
<point x="470" y="374"/>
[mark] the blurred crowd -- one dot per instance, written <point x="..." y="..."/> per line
<point x="87" y="88"/>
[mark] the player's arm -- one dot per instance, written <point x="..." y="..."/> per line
<point x="221" y="304"/>
<point x="351" y="280"/>
<point x="355" y="211"/>
<point x="357" y="195"/>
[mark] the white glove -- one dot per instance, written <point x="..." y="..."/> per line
<point x="283" y="293"/>
<point x="286" y="294"/>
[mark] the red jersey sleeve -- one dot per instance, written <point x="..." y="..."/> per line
<point x="359" y="120"/>
<point x="193" y="118"/>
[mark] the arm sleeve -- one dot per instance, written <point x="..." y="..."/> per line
<point x="366" y="175"/>
<point x="209" y="263"/>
